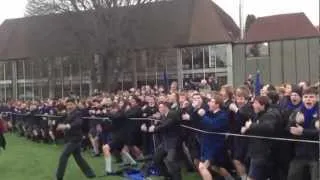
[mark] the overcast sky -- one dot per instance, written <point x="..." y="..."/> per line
<point x="270" y="7"/>
<point x="15" y="8"/>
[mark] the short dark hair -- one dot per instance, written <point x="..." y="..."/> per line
<point x="138" y="101"/>
<point x="71" y="100"/>
<point x="263" y="100"/>
<point x="218" y="100"/>
<point x="229" y="90"/>
<point x="176" y="95"/>
<point x="271" y="87"/>
<point x="310" y="90"/>
<point x="196" y="94"/>
<point x="164" y="103"/>
<point x="244" y="92"/>
<point x="273" y="96"/>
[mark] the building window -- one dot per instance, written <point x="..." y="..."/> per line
<point x="214" y="56"/>
<point x="187" y="56"/>
<point x="218" y="56"/>
<point x="257" y="49"/>
<point x="198" y="58"/>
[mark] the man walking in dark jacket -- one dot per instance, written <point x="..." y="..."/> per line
<point x="73" y="137"/>
<point x="168" y="130"/>
<point x="260" y="149"/>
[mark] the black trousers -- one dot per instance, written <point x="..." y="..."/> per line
<point x="167" y="162"/>
<point x="298" y="167"/>
<point x="73" y="148"/>
<point x="3" y="142"/>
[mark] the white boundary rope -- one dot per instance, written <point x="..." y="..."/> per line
<point x="238" y="135"/>
<point x="249" y="136"/>
<point x="207" y="132"/>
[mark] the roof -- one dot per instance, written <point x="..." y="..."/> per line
<point x="155" y="25"/>
<point x="281" y="27"/>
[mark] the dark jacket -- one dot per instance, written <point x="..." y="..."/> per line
<point x="282" y="151"/>
<point x="263" y="125"/>
<point x="242" y="116"/>
<point x="168" y="130"/>
<point x="119" y="123"/>
<point x="284" y="101"/>
<point x="306" y="151"/>
<point x="195" y="118"/>
<point x="288" y="109"/>
<point x="280" y="123"/>
<point x="134" y="112"/>
<point x="214" y="122"/>
<point x="231" y="115"/>
<point x="74" y="134"/>
<point x="149" y="111"/>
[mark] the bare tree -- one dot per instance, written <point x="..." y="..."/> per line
<point x="42" y="7"/>
<point x="249" y="21"/>
<point x="112" y="33"/>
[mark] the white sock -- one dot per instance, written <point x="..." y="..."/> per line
<point x="228" y="177"/>
<point x="128" y="158"/>
<point x="124" y="159"/>
<point x="141" y="156"/>
<point x="108" y="161"/>
<point x="244" y="177"/>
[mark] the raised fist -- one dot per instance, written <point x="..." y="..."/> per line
<point x="144" y="107"/>
<point x="186" y="117"/>
<point x="156" y="115"/>
<point x="201" y="112"/>
<point x="248" y="124"/>
<point x="317" y="125"/>
<point x="243" y="130"/>
<point x="152" y="128"/>
<point x="233" y="107"/>
<point x="144" y="128"/>
<point x="300" y="118"/>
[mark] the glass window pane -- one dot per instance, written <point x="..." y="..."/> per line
<point x="218" y="56"/>
<point x="186" y="58"/>
<point x="198" y="57"/>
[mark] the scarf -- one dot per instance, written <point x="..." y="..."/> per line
<point x="291" y="106"/>
<point x="309" y="115"/>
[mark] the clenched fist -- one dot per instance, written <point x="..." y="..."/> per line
<point x="233" y="107"/>
<point x="300" y="118"/>
<point x="152" y="128"/>
<point x="201" y="112"/>
<point x="144" y="128"/>
<point x="317" y="125"/>
<point x="186" y="117"/>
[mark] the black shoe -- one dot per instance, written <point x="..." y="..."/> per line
<point x="123" y="165"/>
<point x="127" y="165"/>
<point x="92" y="176"/>
<point x="96" y="155"/>
<point x="115" y="173"/>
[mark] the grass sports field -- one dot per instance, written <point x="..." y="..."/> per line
<point x="25" y="160"/>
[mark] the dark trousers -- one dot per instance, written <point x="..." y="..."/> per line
<point x="298" y="166"/>
<point x="3" y="142"/>
<point x="73" y="148"/>
<point x="260" y="168"/>
<point x="167" y="162"/>
<point x="147" y="145"/>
